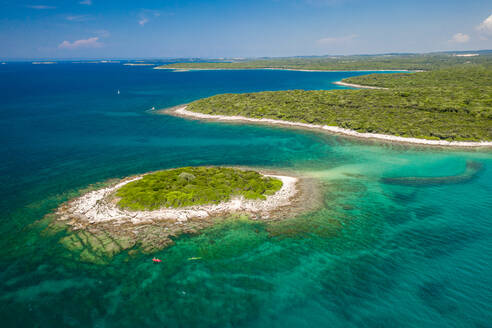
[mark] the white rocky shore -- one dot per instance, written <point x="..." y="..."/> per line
<point x="186" y="69"/>
<point x="182" y="111"/>
<point x="359" y="86"/>
<point x="99" y="206"/>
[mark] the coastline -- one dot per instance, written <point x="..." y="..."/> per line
<point x="185" y="69"/>
<point x="99" y="206"/>
<point x="138" y="64"/>
<point x="181" y="111"/>
<point x="359" y="86"/>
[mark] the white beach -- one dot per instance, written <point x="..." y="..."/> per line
<point x="182" y="111"/>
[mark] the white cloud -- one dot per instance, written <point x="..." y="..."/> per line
<point x="84" y="43"/>
<point x="460" y="38"/>
<point x="78" y="18"/>
<point x="40" y="7"/>
<point x="337" y="40"/>
<point x="86" y="2"/>
<point x="142" y="21"/>
<point x="486" y="26"/>
<point x="144" y="16"/>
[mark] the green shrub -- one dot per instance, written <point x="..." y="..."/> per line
<point x="194" y="186"/>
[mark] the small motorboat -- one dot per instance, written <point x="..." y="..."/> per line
<point x="156" y="260"/>
<point x="153" y="108"/>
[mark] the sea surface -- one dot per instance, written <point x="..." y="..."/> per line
<point x="410" y="252"/>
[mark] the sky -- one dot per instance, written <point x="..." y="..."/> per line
<point x="78" y="29"/>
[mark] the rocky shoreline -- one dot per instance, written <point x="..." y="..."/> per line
<point x="181" y="111"/>
<point x="100" y="206"/>
<point x="99" y="229"/>
<point x="359" y="86"/>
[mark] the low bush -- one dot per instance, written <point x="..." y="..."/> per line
<point x="194" y="186"/>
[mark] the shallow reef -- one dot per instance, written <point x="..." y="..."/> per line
<point x="471" y="171"/>
<point x="99" y="242"/>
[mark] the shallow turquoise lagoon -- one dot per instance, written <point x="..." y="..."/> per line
<point x="375" y="255"/>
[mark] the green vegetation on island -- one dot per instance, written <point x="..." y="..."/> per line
<point x="362" y="62"/>
<point x="447" y="104"/>
<point x="194" y="186"/>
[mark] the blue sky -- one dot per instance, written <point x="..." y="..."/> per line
<point x="228" y="28"/>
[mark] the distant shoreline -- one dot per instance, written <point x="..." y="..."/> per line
<point x="138" y="64"/>
<point x="181" y="111"/>
<point x="359" y="86"/>
<point x="185" y="69"/>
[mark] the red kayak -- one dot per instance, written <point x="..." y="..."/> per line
<point x="155" y="260"/>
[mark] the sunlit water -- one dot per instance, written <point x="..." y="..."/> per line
<point x="375" y="254"/>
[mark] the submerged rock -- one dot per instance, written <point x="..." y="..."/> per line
<point x="471" y="171"/>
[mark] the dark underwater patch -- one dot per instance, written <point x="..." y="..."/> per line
<point x="471" y="171"/>
<point x="435" y="294"/>
<point x="432" y="242"/>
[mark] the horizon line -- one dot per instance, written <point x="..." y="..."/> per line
<point x="20" y="59"/>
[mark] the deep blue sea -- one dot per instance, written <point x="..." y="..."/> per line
<point x="375" y="255"/>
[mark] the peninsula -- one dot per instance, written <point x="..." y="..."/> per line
<point x="444" y="107"/>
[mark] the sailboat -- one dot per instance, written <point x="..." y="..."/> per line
<point x="153" y="108"/>
<point x="118" y="91"/>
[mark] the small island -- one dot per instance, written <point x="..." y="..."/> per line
<point x="149" y="210"/>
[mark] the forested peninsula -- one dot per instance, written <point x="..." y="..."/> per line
<point x="450" y="104"/>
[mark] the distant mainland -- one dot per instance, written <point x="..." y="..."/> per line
<point x="388" y="62"/>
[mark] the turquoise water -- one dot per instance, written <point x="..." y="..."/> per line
<point x="375" y="254"/>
